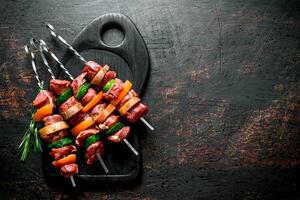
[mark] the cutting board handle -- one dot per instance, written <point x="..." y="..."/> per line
<point x="132" y="49"/>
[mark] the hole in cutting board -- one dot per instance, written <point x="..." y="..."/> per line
<point x="112" y="34"/>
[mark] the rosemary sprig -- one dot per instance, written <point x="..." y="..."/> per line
<point x="26" y="148"/>
<point x="26" y="140"/>
<point x="31" y="136"/>
<point x="37" y="146"/>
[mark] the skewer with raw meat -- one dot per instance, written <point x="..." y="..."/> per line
<point x="107" y="122"/>
<point x="70" y="109"/>
<point x="115" y="91"/>
<point x="55" y="130"/>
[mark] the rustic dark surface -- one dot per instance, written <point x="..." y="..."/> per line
<point x="223" y="91"/>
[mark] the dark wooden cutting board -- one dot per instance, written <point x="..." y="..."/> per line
<point x="130" y="60"/>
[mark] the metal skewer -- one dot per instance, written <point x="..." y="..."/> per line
<point x="147" y="123"/>
<point x="61" y="39"/>
<point x="131" y="147"/>
<point x="102" y="162"/>
<point x="30" y="52"/>
<point x="73" y="181"/>
<point x="33" y="43"/>
<point x="53" y="33"/>
<point x="42" y="46"/>
<point x="45" y="47"/>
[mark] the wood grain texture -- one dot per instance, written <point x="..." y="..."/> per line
<point x="223" y="91"/>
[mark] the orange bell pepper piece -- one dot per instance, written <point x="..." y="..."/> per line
<point x="126" y="88"/>
<point x="82" y="126"/>
<point x="93" y="102"/>
<point x="106" y="112"/>
<point x="43" y="112"/>
<point x="64" y="161"/>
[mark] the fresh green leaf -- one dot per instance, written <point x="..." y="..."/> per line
<point x="31" y="127"/>
<point x="37" y="142"/>
<point x="31" y="136"/>
<point x="23" y="139"/>
<point x="26" y="148"/>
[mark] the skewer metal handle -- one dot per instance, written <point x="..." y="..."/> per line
<point x="73" y="181"/>
<point x="147" y="123"/>
<point x="62" y="40"/>
<point x="29" y="51"/>
<point x="45" y="47"/>
<point x="37" y="45"/>
<point x="131" y="147"/>
<point x="102" y="163"/>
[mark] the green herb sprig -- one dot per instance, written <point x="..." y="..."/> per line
<point x="30" y="139"/>
<point x="31" y="136"/>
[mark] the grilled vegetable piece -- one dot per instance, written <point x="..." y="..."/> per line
<point x="83" y="135"/>
<point x="52" y="128"/>
<point x="128" y="105"/>
<point x="82" y="90"/>
<point x="64" y="97"/>
<point x="93" y="102"/>
<point x="100" y="75"/>
<point x="82" y="126"/>
<point x="72" y="111"/>
<point x="106" y="112"/>
<point x="108" y="85"/>
<point x="43" y="112"/>
<point x="114" y="128"/>
<point x="60" y="143"/>
<point x="71" y="158"/>
<point x="126" y="88"/>
<point x="92" y="139"/>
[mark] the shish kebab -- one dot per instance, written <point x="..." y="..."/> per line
<point x="94" y="148"/>
<point x="119" y="94"/>
<point x="55" y="131"/>
<point x="100" y="114"/>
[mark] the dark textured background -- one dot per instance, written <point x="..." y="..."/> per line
<point x="224" y="95"/>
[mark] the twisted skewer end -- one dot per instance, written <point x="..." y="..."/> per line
<point x="33" y="42"/>
<point x="26" y="49"/>
<point x="43" y="42"/>
<point x="51" y="29"/>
